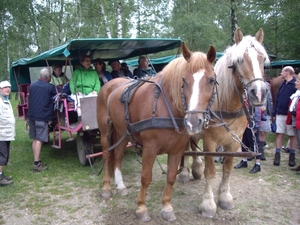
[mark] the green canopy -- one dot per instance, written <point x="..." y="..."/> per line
<point x="163" y="60"/>
<point x="282" y="63"/>
<point x="104" y="48"/>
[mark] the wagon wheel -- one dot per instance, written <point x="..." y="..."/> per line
<point x="84" y="147"/>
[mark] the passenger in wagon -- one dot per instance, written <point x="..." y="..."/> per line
<point x="143" y="69"/>
<point x="100" y="67"/>
<point x="117" y="70"/>
<point x="84" y="82"/>
<point x="58" y="78"/>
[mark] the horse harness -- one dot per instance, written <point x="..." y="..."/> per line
<point x="153" y="121"/>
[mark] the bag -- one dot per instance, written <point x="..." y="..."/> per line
<point x="273" y="127"/>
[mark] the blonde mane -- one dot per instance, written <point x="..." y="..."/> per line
<point x="231" y="56"/>
<point x="172" y="74"/>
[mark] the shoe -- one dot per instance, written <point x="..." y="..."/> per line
<point x="292" y="160"/>
<point x="277" y="159"/>
<point x="255" y="169"/>
<point x="297" y="168"/>
<point x="39" y="167"/>
<point x="285" y="149"/>
<point x="266" y="145"/>
<point x="7" y="177"/>
<point x="42" y="163"/>
<point x="4" y="181"/>
<point x="242" y="164"/>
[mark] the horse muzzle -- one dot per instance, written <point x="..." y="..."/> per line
<point x="257" y="95"/>
<point x="193" y="122"/>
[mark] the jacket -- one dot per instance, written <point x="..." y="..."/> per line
<point x="286" y="89"/>
<point x="7" y="120"/>
<point x="290" y="115"/>
<point x="84" y="81"/>
<point x="140" y="73"/>
<point x="40" y="101"/>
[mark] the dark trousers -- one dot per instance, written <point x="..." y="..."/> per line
<point x="4" y="152"/>
<point x="249" y="141"/>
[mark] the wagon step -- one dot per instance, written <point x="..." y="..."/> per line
<point x="222" y="154"/>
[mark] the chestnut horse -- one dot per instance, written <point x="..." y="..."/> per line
<point x="160" y="116"/>
<point x="240" y="73"/>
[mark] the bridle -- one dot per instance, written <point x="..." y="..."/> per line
<point x="205" y="112"/>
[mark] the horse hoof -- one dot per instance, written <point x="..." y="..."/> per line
<point x="143" y="217"/>
<point x="123" y="192"/>
<point x="184" y="175"/>
<point x="169" y="216"/>
<point x="106" y="194"/>
<point x="183" y="178"/>
<point x="226" y="205"/>
<point x="208" y="213"/>
<point x="196" y="175"/>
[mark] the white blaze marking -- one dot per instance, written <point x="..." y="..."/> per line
<point x="256" y="70"/>
<point x="195" y="92"/>
<point x="119" y="179"/>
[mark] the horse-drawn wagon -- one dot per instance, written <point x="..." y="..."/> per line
<point x="86" y="131"/>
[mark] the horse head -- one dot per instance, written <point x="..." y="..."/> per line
<point x="248" y="60"/>
<point x="197" y="88"/>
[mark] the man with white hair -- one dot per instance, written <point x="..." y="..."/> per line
<point x="7" y="130"/>
<point x="286" y="89"/>
<point x="40" y="113"/>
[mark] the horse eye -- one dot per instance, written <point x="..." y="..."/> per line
<point x="212" y="80"/>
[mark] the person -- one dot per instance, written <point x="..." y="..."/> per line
<point x="84" y="82"/>
<point x="286" y="89"/>
<point x="40" y="114"/>
<point x="100" y="67"/>
<point x="293" y="116"/>
<point x="124" y="66"/>
<point x="252" y="143"/>
<point x="143" y="69"/>
<point x="58" y="78"/>
<point x="264" y="128"/>
<point x="117" y="71"/>
<point x="7" y="130"/>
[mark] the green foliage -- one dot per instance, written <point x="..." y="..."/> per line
<point x="45" y="24"/>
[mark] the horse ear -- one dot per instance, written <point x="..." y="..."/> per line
<point x="259" y="36"/>
<point x="186" y="52"/>
<point x="211" y="54"/>
<point x="238" y="35"/>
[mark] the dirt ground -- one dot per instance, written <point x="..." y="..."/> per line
<point x="271" y="196"/>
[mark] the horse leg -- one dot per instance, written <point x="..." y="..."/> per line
<point x="208" y="206"/>
<point x="119" y="153"/>
<point x="106" y="189"/>
<point x="225" y="197"/>
<point x="184" y="175"/>
<point x="167" y="210"/>
<point x="146" y="178"/>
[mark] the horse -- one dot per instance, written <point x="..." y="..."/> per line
<point x="240" y="73"/>
<point x="161" y="115"/>
<point x="274" y="87"/>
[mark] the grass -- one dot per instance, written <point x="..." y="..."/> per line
<point x="68" y="193"/>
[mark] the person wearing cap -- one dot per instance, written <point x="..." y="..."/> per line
<point x="84" y="82"/>
<point x="143" y="69"/>
<point x="117" y="70"/>
<point x="58" y="78"/>
<point x="40" y="114"/>
<point x="7" y="130"/>
<point x="280" y="111"/>
<point x="100" y="67"/>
